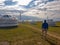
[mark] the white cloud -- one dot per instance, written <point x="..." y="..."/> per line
<point x="53" y="9"/>
<point x="55" y="5"/>
<point x="54" y="12"/>
<point x="22" y="2"/>
<point x="1" y="1"/>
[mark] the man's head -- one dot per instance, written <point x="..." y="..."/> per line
<point x="44" y="21"/>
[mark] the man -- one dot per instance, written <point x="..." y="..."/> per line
<point x="44" y="28"/>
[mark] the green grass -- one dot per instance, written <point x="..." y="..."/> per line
<point x="51" y="29"/>
<point x="21" y="35"/>
<point x="55" y="29"/>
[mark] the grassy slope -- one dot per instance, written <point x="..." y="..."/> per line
<point x="22" y="36"/>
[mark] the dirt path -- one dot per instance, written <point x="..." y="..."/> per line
<point x="52" y="35"/>
<point x="55" y="42"/>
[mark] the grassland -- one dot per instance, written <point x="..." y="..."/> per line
<point x="24" y="35"/>
<point x="53" y="29"/>
<point x="21" y="35"/>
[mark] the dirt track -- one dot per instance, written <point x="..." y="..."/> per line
<point x="50" y="34"/>
<point x="39" y="30"/>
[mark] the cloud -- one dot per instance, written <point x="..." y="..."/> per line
<point x="53" y="9"/>
<point x="1" y="1"/>
<point x="13" y="4"/>
<point x="55" y="5"/>
<point x="22" y="2"/>
<point x="10" y="2"/>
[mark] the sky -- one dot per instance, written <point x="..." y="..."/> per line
<point x="23" y="2"/>
<point x="13" y="4"/>
<point x="52" y="5"/>
<point x="20" y="2"/>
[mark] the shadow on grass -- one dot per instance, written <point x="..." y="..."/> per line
<point x="55" y="26"/>
<point x="9" y="27"/>
<point x="51" y="43"/>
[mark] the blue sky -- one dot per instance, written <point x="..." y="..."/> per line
<point x="14" y="4"/>
<point x="54" y="5"/>
<point x="20" y="2"/>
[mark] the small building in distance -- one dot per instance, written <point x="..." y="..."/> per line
<point x="51" y="22"/>
<point x="8" y="21"/>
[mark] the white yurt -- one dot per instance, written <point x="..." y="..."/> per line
<point x="51" y="22"/>
<point x="8" y="20"/>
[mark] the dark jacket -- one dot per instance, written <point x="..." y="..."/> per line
<point x="45" y="25"/>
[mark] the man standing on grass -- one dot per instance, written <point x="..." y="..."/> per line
<point x="44" y="28"/>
